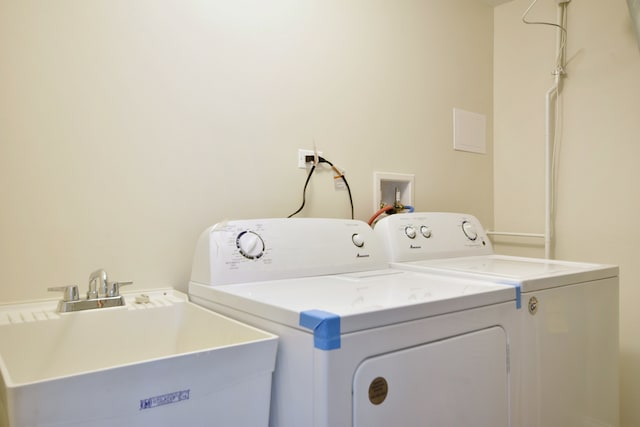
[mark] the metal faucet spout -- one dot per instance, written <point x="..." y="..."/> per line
<point x="97" y="284"/>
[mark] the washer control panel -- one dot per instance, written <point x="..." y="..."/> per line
<point x="427" y="235"/>
<point x="266" y="249"/>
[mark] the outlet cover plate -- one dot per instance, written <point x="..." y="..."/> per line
<point x="304" y="153"/>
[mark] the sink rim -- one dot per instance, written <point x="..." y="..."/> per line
<point x="176" y="297"/>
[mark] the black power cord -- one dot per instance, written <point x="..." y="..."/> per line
<point x="304" y="191"/>
<point x="306" y="183"/>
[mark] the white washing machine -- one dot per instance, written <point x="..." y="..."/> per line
<point x="360" y="344"/>
<point x="568" y="315"/>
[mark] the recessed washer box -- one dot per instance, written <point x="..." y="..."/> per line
<point x="389" y="185"/>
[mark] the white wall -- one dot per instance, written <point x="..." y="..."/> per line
<point x="598" y="172"/>
<point x="127" y="127"/>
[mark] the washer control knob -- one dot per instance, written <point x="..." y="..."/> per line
<point x="469" y="230"/>
<point x="357" y="240"/>
<point x="250" y="244"/>
<point x="410" y="231"/>
<point x="425" y="231"/>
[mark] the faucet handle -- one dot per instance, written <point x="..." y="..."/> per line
<point x="114" y="288"/>
<point x="69" y="293"/>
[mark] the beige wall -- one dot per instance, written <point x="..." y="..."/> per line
<point x="127" y="127"/>
<point x="598" y="165"/>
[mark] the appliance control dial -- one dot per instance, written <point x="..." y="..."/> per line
<point x="469" y="230"/>
<point x="425" y="231"/>
<point x="357" y="240"/>
<point x="410" y="231"/>
<point x="250" y="244"/>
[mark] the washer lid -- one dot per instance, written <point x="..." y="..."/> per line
<point x="362" y="300"/>
<point x="531" y="273"/>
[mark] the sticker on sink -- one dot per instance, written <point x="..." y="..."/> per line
<point x="165" y="399"/>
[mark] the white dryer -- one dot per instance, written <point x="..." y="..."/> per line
<point x="568" y="315"/>
<point x="360" y="344"/>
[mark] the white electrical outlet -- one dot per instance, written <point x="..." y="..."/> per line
<point x="302" y="154"/>
<point x="387" y="186"/>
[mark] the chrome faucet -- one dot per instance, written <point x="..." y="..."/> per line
<point x="97" y="284"/>
<point x="101" y="294"/>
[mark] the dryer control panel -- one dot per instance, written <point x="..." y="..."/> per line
<point x="279" y="248"/>
<point x="430" y="235"/>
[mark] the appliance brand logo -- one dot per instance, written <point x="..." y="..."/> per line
<point x="415" y="247"/>
<point x="359" y="255"/>
<point x="165" y="399"/>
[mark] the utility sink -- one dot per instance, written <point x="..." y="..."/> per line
<point x="158" y="361"/>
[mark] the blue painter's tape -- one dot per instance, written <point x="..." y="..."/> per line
<point x="325" y="327"/>
<point x="518" y="288"/>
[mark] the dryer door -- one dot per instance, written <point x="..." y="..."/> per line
<point x="459" y="381"/>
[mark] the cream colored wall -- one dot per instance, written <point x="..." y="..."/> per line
<point x="598" y="164"/>
<point x="127" y="127"/>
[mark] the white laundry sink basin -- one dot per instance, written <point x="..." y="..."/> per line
<point x="162" y="362"/>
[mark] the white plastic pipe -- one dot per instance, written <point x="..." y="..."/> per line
<point x="553" y="91"/>
<point x="511" y="234"/>
<point x="550" y="125"/>
<point x="550" y="128"/>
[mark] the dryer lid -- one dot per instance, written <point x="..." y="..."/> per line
<point x="531" y="273"/>
<point x="362" y="300"/>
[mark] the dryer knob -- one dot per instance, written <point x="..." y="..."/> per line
<point x="357" y="240"/>
<point x="469" y="230"/>
<point x="410" y="231"/>
<point x="250" y="244"/>
<point x="425" y="231"/>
